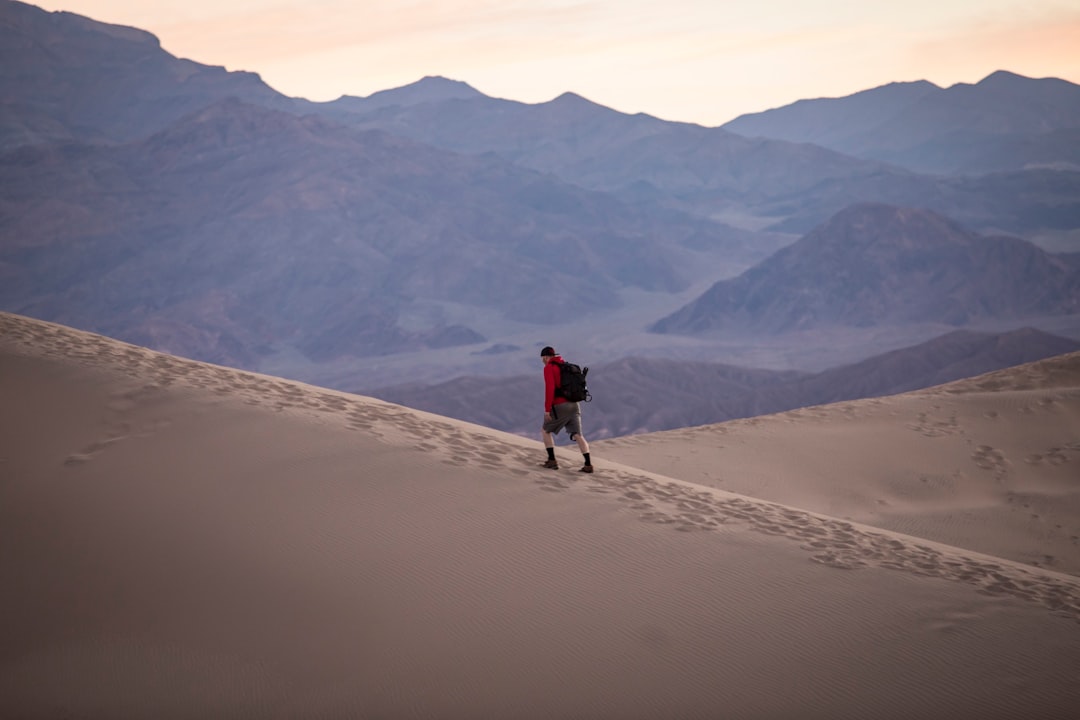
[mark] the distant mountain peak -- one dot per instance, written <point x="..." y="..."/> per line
<point x="438" y="81"/>
<point x="911" y="88"/>
<point x="431" y="88"/>
<point x="570" y="102"/>
<point x="428" y="89"/>
<point x="873" y="264"/>
<point x="435" y="87"/>
<point x="573" y="100"/>
<point x="572" y="97"/>
<point x="1000" y="76"/>
<point x="30" y="18"/>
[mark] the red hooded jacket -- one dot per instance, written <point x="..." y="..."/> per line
<point x="552" y="380"/>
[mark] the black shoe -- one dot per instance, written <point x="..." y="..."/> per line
<point x="551" y="464"/>
<point x="586" y="469"/>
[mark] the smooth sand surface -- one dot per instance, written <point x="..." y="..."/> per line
<point x="181" y="540"/>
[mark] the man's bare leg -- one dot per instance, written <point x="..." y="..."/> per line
<point x="583" y="445"/>
<point x="549" y="445"/>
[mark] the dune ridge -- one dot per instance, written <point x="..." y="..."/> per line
<point x="231" y="542"/>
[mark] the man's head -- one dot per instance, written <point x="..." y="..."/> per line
<point x="547" y="353"/>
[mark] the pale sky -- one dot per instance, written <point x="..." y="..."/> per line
<point x="703" y="61"/>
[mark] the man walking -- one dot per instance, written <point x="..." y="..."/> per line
<point x="559" y="412"/>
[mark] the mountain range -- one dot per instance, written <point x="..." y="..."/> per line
<point x="200" y="212"/>
<point x="788" y="185"/>
<point x="1003" y="123"/>
<point x="317" y="235"/>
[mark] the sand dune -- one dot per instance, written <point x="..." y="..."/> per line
<point x="990" y="463"/>
<point x="184" y="540"/>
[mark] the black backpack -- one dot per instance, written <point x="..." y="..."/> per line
<point x="572" y="385"/>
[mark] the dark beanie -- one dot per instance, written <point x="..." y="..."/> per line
<point x="547" y="352"/>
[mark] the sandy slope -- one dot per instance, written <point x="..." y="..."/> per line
<point x="990" y="463"/>
<point x="182" y="540"/>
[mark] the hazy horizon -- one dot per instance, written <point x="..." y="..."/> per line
<point x="687" y="60"/>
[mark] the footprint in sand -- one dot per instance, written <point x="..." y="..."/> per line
<point x="992" y="459"/>
<point x="1053" y="456"/>
<point x="929" y="426"/>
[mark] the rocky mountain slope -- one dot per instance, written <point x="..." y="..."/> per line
<point x="66" y="77"/>
<point x="877" y="264"/>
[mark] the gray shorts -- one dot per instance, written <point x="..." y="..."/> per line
<point x="564" y="415"/>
